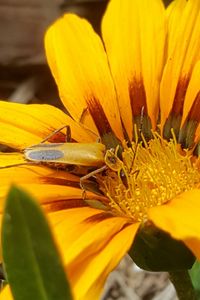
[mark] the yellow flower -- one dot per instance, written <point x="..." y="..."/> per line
<point x="139" y="92"/>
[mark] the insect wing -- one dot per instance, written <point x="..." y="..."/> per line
<point x="91" y="154"/>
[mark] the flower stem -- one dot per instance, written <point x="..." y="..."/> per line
<point x="183" y="285"/>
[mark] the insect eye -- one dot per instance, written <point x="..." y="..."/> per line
<point x="112" y="161"/>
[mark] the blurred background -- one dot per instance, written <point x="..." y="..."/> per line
<point x="24" y="74"/>
<point x="25" y="78"/>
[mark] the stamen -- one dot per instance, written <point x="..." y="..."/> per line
<point x="148" y="174"/>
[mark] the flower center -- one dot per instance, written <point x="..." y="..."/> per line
<point x="147" y="174"/>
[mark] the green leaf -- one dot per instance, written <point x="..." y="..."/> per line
<point x="154" y="250"/>
<point x="195" y="276"/>
<point x="32" y="264"/>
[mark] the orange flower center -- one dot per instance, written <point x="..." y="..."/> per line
<point x="148" y="174"/>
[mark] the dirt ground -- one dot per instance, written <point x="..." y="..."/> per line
<point x="128" y="282"/>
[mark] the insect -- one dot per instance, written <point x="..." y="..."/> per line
<point x="68" y="153"/>
<point x="77" y="158"/>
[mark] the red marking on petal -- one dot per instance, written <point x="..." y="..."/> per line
<point x="61" y="181"/>
<point x="63" y="204"/>
<point x="99" y="217"/>
<point x="179" y="98"/>
<point x="194" y="113"/>
<point x="137" y="97"/>
<point x="99" y="117"/>
<point x="58" y="137"/>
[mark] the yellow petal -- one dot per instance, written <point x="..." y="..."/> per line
<point x="54" y="189"/>
<point x="192" y="94"/>
<point x="24" y="125"/>
<point x="97" y="243"/>
<point x="46" y="185"/>
<point x="9" y="159"/>
<point x="180" y="218"/>
<point x="88" y="273"/>
<point x="79" y="64"/>
<point x="5" y="294"/>
<point x="104" y="262"/>
<point x="36" y="174"/>
<point x="174" y="13"/>
<point x="182" y="54"/>
<point x="134" y="34"/>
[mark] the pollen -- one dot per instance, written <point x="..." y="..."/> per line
<point x="146" y="175"/>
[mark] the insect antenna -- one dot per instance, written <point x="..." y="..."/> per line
<point x="20" y="164"/>
<point x="68" y="135"/>
<point x="81" y="122"/>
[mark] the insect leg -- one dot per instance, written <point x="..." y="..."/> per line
<point x="93" y="173"/>
<point x="91" y="186"/>
<point x="30" y="163"/>
<point x="141" y="119"/>
<point x="82" y="116"/>
<point x="68" y="133"/>
<point x="81" y="122"/>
